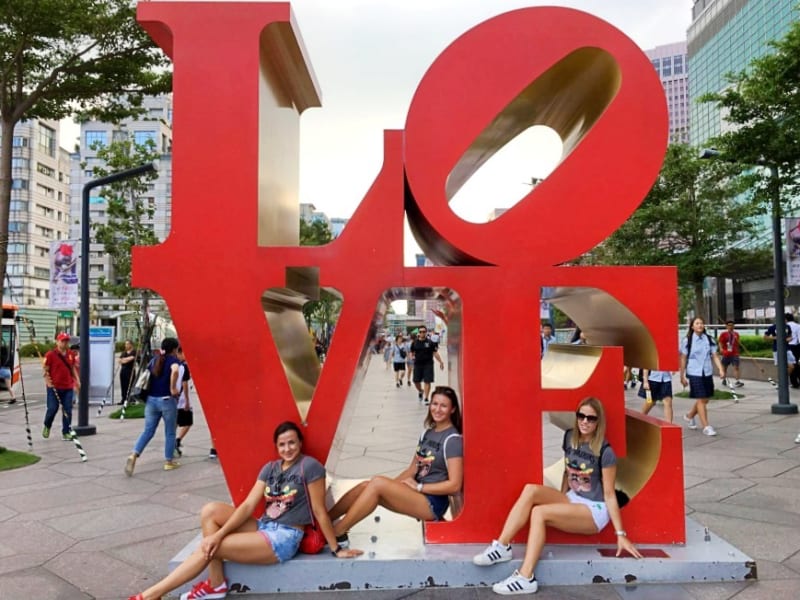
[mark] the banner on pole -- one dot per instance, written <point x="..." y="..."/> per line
<point x="64" y="274"/>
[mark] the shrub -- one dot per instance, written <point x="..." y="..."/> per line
<point x="756" y="345"/>
<point x="29" y="350"/>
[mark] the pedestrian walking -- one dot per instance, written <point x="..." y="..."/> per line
<point x="185" y="418"/>
<point x="698" y="355"/>
<point x="61" y="379"/>
<point x="730" y="347"/>
<point x="162" y="404"/>
<point x="423" y="352"/>
<point x="126" y="361"/>
<point x="399" y="354"/>
<point x="656" y="387"/>
<point x="585" y="504"/>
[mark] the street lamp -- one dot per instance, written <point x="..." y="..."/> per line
<point x="83" y="427"/>
<point x="783" y="406"/>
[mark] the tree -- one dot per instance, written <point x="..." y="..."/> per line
<point x="325" y="311"/>
<point x="129" y="219"/>
<point x="65" y="57"/>
<point x="763" y="106"/>
<point x="693" y="213"/>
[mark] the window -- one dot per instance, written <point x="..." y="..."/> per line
<point x="45" y="211"/>
<point x="141" y="137"/>
<point x="15" y="248"/>
<point x="20" y="142"/>
<point x="19" y="184"/>
<point x="41" y="251"/>
<point x="19" y="205"/>
<point x="677" y="65"/>
<point x="666" y="66"/>
<point x="47" y="140"/>
<point x="96" y="139"/>
<point x="17" y="227"/>
<point x="20" y="163"/>
<point x="16" y="269"/>
<point x="44" y="231"/>
<point x="656" y="64"/>
<point x="45" y="170"/>
<point x="41" y="272"/>
<point x="45" y="191"/>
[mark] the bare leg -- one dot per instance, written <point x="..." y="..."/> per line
<point x="427" y="393"/>
<point x="701" y="408"/>
<point x="573" y="518"/>
<point x="245" y="546"/>
<point x="532" y="494"/>
<point x="392" y="494"/>
<point x="667" y="409"/>
<point x="345" y="502"/>
<point x="646" y="407"/>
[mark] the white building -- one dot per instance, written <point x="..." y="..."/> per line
<point x="156" y="125"/>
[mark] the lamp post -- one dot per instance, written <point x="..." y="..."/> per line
<point x="783" y="406"/>
<point x="83" y="427"/>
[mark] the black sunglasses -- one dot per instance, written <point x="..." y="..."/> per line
<point x="582" y="417"/>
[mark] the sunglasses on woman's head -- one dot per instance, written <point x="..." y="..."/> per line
<point x="582" y="417"/>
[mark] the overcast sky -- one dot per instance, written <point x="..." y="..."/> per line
<point x="369" y="56"/>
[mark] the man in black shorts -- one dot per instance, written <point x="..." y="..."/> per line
<point x="423" y="351"/>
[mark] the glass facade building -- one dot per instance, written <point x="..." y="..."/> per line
<point x="725" y="35"/>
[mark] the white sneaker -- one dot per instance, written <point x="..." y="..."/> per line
<point x="516" y="584"/>
<point x="709" y="430"/>
<point x="494" y="553"/>
<point x="797" y="439"/>
<point x="690" y="423"/>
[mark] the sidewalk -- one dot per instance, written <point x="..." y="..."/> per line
<point x="72" y="530"/>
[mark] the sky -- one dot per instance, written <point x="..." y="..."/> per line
<point x="369" y="56"/>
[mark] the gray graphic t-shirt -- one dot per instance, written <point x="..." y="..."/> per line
<point x="285" y="493"/>
<point x="431" y="451"/>
<point x="583" y="468"/>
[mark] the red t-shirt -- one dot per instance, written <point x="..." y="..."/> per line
<point x="729" y="343"/>
<point x="60" y="373"/>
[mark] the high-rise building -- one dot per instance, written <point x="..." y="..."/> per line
<point x="39" y="210"/>
<point x="155" y="125"/>
<point x="670" y="63"/>
<point x="725" y="35"/>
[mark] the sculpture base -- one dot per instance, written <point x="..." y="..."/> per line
<point x="396" y="561"/>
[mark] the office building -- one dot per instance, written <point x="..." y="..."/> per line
<point x="670" y="63"/>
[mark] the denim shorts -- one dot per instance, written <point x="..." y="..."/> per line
<point x="599" y="509"/>
<point x="439" y="505"/>
<point x="285" y="540"/>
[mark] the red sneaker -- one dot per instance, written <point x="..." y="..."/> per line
<point x="204" y="591"/>
<point x="136" y="597"/>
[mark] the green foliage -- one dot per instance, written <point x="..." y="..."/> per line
<point x="37" y="349"/>
<point x="763" y="105"/>
<point x="323" y="312"/>
<point x="718" y="395"/>
<point x="691" y="215"/>
<point x="756" y="345"/>
<point x="129" y="218"/>
<point x="134" y="411"/>
<point x="65" y="57"/>
<point x="11" y="459"/>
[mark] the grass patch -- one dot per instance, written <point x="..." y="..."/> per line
<point x="11" y="459"/>
<point x="718" y="395"/>
<point x="134" y="411"/>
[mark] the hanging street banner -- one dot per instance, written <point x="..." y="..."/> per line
<point x="64" y="274"/>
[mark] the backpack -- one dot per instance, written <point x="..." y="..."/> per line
<point x="711" y="342"/>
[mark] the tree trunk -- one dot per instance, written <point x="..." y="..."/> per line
<point x="6" y="150"/>
<point x="699" y="301"/>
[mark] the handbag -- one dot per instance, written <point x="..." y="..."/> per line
<point x="313" y="540"/>
<point x="141" y="389"/>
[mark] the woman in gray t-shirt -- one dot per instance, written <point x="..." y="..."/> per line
<point x="293" y="487"/>
<point x="585" y="504"/>
<point x="423" y="489"/>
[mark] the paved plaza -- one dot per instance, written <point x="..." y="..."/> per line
<point x="80" y="531"/>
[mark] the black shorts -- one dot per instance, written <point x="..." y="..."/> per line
<point x="730" y="360"/>
<point x="700" y="386"/>
<point x="185" y="417"/>
<point x="400" y="366"/>
<point x="423" y="373"/>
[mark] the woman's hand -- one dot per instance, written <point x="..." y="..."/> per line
<point x="209" y="545"/>
<point x="625" y="545"/>
<point x="684" y="381"/>
<point x="349" y="553"/>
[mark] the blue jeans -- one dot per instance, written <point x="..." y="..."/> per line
<point x="54" y="398"/>
<point x="157" y="408"/>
